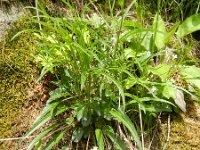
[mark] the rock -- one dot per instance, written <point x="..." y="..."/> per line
<point x="6" y="19"/>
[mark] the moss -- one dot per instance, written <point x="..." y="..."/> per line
<point x="185" y="128"/>
<point x="17" y="71"/>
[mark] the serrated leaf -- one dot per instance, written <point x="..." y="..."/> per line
<point x="190" y="25"/>
<point x="122" y="117"/>
<point x="99" y="138"/>
<point x="160" y="31"/>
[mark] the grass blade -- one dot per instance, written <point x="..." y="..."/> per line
<point x="122" y="117"/>
<point x="99" y="138"/>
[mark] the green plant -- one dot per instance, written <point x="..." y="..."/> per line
<point x="111" y="73"/>
<point x="171" y="10"/>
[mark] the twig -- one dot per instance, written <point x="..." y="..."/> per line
<point x="87" y="145"/>
<point x="37" y="13"/>
<point x="141" y="127"/>
<point x="124" y="137"/>
<point x="15" y="138"/>
<point x="168" y="133"/>
<point x="154" y="133"/>
<point x="97" y="10"/>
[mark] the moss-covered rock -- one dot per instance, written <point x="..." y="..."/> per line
<point x="17" y="72"/>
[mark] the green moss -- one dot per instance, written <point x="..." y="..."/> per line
<point x="17" y="71"/>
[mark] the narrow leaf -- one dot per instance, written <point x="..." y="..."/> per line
<point x="54" y="141"/>
<point x="121" y="91"/>
<point x="120" y="116"/>
<point x="118" y="143"/>
<point x="99" y="138"/>
<point x="41" y="135"/>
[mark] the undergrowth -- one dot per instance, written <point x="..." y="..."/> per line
<point x="114" y="75"/>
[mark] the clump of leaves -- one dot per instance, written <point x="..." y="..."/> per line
<point x="111" y="73"/>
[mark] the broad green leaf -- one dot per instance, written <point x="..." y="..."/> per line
<point x="190" y="25"/>
<point x="160" y="31"/>
<point x="86" y="120"/>
<point x="77" y="134"/>
<point x="192" y="75"/>
<point x="122" y="117"/>
<point x="54" y="140"/>
<point x="161" y="70"/>
<point x="99" y="138"/>
<point x="177" y="95"/>
<point x="147" y="40"/>
<point x="80" y="112"/>
<point x="129" y="53"/>
<point x="169" y="92"/>
<point x="117" y="142"/>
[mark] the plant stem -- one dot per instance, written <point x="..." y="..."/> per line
<point x="141" y="127"/>
<point x="37" y="13"/>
